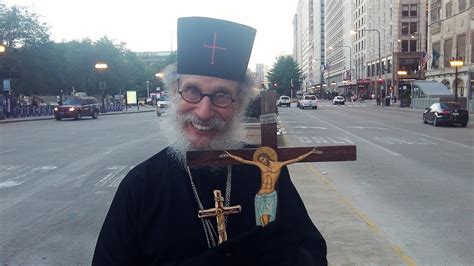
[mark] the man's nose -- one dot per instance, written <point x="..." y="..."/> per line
<point x="205" y="108"/>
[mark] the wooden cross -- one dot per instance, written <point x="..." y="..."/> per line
<point x="268" y="120"/>
<point x="219" y="211"/>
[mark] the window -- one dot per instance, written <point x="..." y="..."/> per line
<point x="461" y="46"/>
<point x="435" y="9"/>
<point x="405" y="10"/>
<point x="436" y="55"/>
<point x="447" y="51"/>
<point x="413" y="10"/>
<point x="462" y="5"/>
<point x="405" y="28"/>
<point x="413" y="45"/>
<point x="449" y="9"/>
<point x="413" y="27"/>
<point x="404" y="47"/>
<point x="368" y="70"/>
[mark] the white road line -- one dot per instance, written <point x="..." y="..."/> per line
<point x="416" y="133"/>
<point x="360" y="127"/>
<point x="22" y="178"/>
<point x="359" y="138"/>
<point x="7" y="151"/>
<point x="111" y="176"/>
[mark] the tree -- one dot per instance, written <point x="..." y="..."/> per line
<point x="285" y="75"/>
<point x="20" y="28"/>
<point x="46" y="67"/>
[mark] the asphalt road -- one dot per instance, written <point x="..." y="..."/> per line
<point x="412" y="181"/>
<point x="57" y="179"/>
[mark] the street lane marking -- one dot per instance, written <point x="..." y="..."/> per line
<point x="325" y="140"/>
<point x="393" y="140"/>
<point x="19" y="179"/>
<point x="415" y="133"/>
<point x="359" y="138"/>
<point x="306" y="127"/>
<point x="112" y="175"/>
<point x="7" y="151"/>
<point x="361" y="127"/>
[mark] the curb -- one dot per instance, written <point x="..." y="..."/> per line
<point x="29" y="119"/>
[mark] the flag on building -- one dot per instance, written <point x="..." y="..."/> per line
<point x="425" y="60"/>
<point x="436" y="56"/>
<point x="324" y="67"/>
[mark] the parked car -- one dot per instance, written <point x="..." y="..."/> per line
<point x="338" y="100"/>
<point x="308" y="101"/>
<point x="161" y="105"/>
<point x="446" y="113"/>
<point x="284" y="100"/>
<point x="76" y="108"/>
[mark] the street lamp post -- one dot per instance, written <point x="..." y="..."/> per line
<point x="147" y="89"/>
<point x="102" y="67"/>
<point x="456" y="62"/>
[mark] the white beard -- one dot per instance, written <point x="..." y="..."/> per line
<point x="230" y="136"/>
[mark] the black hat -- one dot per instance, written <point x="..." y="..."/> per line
<point x="213" y="47"/>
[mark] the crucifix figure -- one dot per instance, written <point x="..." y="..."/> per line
<point x="268" y="121"/>
<point x="266" y="200"/>
<point x="219" y="211"/>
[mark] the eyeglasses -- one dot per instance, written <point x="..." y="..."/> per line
<point x="194" y="95"/>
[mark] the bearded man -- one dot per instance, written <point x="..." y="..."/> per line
<point x="153" y="218"/>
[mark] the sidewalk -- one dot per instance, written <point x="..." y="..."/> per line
<point x="351" y="237"/>
<point x="131" y="110"/>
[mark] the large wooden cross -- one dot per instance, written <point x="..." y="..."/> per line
<point x="268" y="121"/>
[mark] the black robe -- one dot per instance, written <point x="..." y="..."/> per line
<point x="153" y="220"/>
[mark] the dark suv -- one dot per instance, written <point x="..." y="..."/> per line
<point x="76" y="108"/>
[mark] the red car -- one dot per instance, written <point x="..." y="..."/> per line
<point x="77" y="107"/>
<point x="446" y="113"/>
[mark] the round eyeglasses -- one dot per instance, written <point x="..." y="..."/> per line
<point x="194" y="95"/>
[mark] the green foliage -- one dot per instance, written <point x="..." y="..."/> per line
<point x="20" y="28"/>
<point x="284" y="72"/>
<point x="47" y="67"/>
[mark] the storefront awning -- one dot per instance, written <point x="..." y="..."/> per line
<point x="431" y="88"/>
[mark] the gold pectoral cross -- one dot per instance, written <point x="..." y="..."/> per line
<point x="219" y="211"/>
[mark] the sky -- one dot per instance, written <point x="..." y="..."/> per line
<point x="150" y="25"/>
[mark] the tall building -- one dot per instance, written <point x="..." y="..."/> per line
<point x="303" y="24"/>
<point x="319" y="59"/>
<point x="338" y="46"/>
<point x="260" y="74"/>
<point x="388" y="36"/>
<point x="451" y="35"/>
